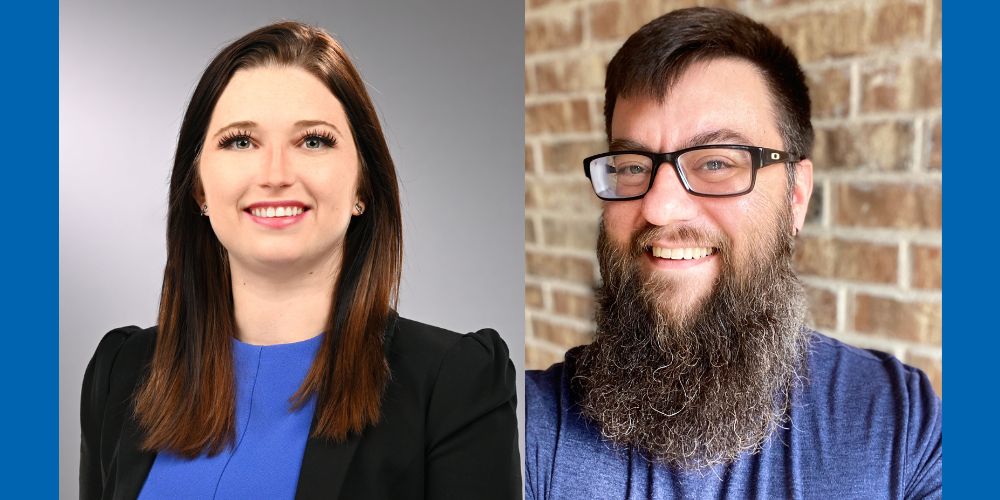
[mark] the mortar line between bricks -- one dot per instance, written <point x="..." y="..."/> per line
<point x="875" y="235"/>
<point x="876" y="290"/>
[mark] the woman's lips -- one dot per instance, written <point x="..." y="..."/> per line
<point x="276" y="216"/>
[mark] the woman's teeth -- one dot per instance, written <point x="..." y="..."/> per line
<point x="277" y="211"/>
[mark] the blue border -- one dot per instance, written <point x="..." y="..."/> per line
<point x="29" y="129"/>
<point x="972" y="344"/>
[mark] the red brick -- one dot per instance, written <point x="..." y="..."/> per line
<point x="931" y="366"/>
<point x="897" y="22"/>
<point x="910" y="321"/>
<point x="913" y="84"/>
<point x="580" y="73"/>
<point x="562" y="267"/>
<point x="845" y="259"/>
<point x="557" y="117"/>
<point x="539" y="358"/>
<point x="617" y="19"/>
<point x="575" y="234"/>
<point x="553" y="33"/>
<point x="533" y="297"/>
<point x="559" y="334"/>
<point x="567" y="156"/>
<point x="823" y="35"/>
<point x="532" y="194"/>
<point x="934" y="162"/>
<point x="881" y="146"/>
<point x="830" y="91"/>
<point x="573" y="304"/>
<point x="822" y="308"/>
<point x="926" y="271"/>
<point x="936" y="24"/>
<point x="570" y="196"/>
<point x="814" y="214"/>
<point x="902" y="206"/>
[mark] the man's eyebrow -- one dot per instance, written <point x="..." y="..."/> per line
<point x="240" y="124"/>
<point x="719" y="136"/>
<point x="619" y="144"/>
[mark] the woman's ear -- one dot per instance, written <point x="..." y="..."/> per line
<point x="198" y="193"/>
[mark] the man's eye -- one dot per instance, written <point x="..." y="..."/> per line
<point x="715" y="165"/>
<point x="633" y="169"/>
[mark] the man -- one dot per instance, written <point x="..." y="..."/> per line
<point x="702" y="380"/>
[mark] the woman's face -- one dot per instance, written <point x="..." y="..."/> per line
<point x="279" y="171"/>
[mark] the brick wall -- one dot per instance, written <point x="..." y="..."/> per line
<point x="870" y="253"/>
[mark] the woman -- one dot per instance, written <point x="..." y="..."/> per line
<point x="279" y="367"/>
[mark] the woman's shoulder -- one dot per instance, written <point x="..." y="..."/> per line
<point x="413" y="338"/>
<point x="463" y="377"/>
<point x="123" y="344"/>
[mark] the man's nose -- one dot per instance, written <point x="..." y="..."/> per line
<point x="667" y="201"/>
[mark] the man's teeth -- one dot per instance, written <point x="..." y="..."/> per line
<point x="277" y="211"/>
<point x="682" y="253"/>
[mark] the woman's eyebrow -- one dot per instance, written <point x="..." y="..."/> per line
<point x="240" y="124"/>
<point x="313" y="123"/>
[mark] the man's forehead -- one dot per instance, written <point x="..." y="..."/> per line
<point x="716" y="101"/>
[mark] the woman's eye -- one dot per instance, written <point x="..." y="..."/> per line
<point x="237" y="141"/>
<point x="317" y="141"/>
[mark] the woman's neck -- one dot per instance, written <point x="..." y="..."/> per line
<point x="278" y="310"/>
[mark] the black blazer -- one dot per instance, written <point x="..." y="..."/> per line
<point x="448" y="427"/>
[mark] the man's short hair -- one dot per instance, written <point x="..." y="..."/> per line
<point x="653" y="58"/>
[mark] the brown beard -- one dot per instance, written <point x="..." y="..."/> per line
<point x="698" y="388"/>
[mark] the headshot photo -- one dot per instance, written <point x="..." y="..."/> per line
<point x="308" y="281"/>
<point x="733" y="250"/>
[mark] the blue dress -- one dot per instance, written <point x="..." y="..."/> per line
<point x="270" y="438"/>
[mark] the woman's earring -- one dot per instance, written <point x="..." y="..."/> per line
<point x="204" y="210"/>
<point x="359" y="208"/>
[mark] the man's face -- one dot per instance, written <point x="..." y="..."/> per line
<point x="695" y="360"/>
<point x="721" y="101"/>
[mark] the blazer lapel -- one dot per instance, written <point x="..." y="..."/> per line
<point x="324" y="467"/>
<point x="325" y="463"/>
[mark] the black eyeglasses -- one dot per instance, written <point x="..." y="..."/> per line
<point x="716" y="170"/>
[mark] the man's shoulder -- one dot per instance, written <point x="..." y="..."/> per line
<point x="836" y="364"/>
<point x="547" y="391"/>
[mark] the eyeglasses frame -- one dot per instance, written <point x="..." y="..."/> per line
<point x="761" y="157"/>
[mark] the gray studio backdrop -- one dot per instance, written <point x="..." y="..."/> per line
<point x="447" y="79"/>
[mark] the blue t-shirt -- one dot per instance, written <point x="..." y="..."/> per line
<point x="864" y="426"/>
<point x="270" y="439"/>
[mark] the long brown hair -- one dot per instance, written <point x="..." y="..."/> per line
<point x="187" y="402"/>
